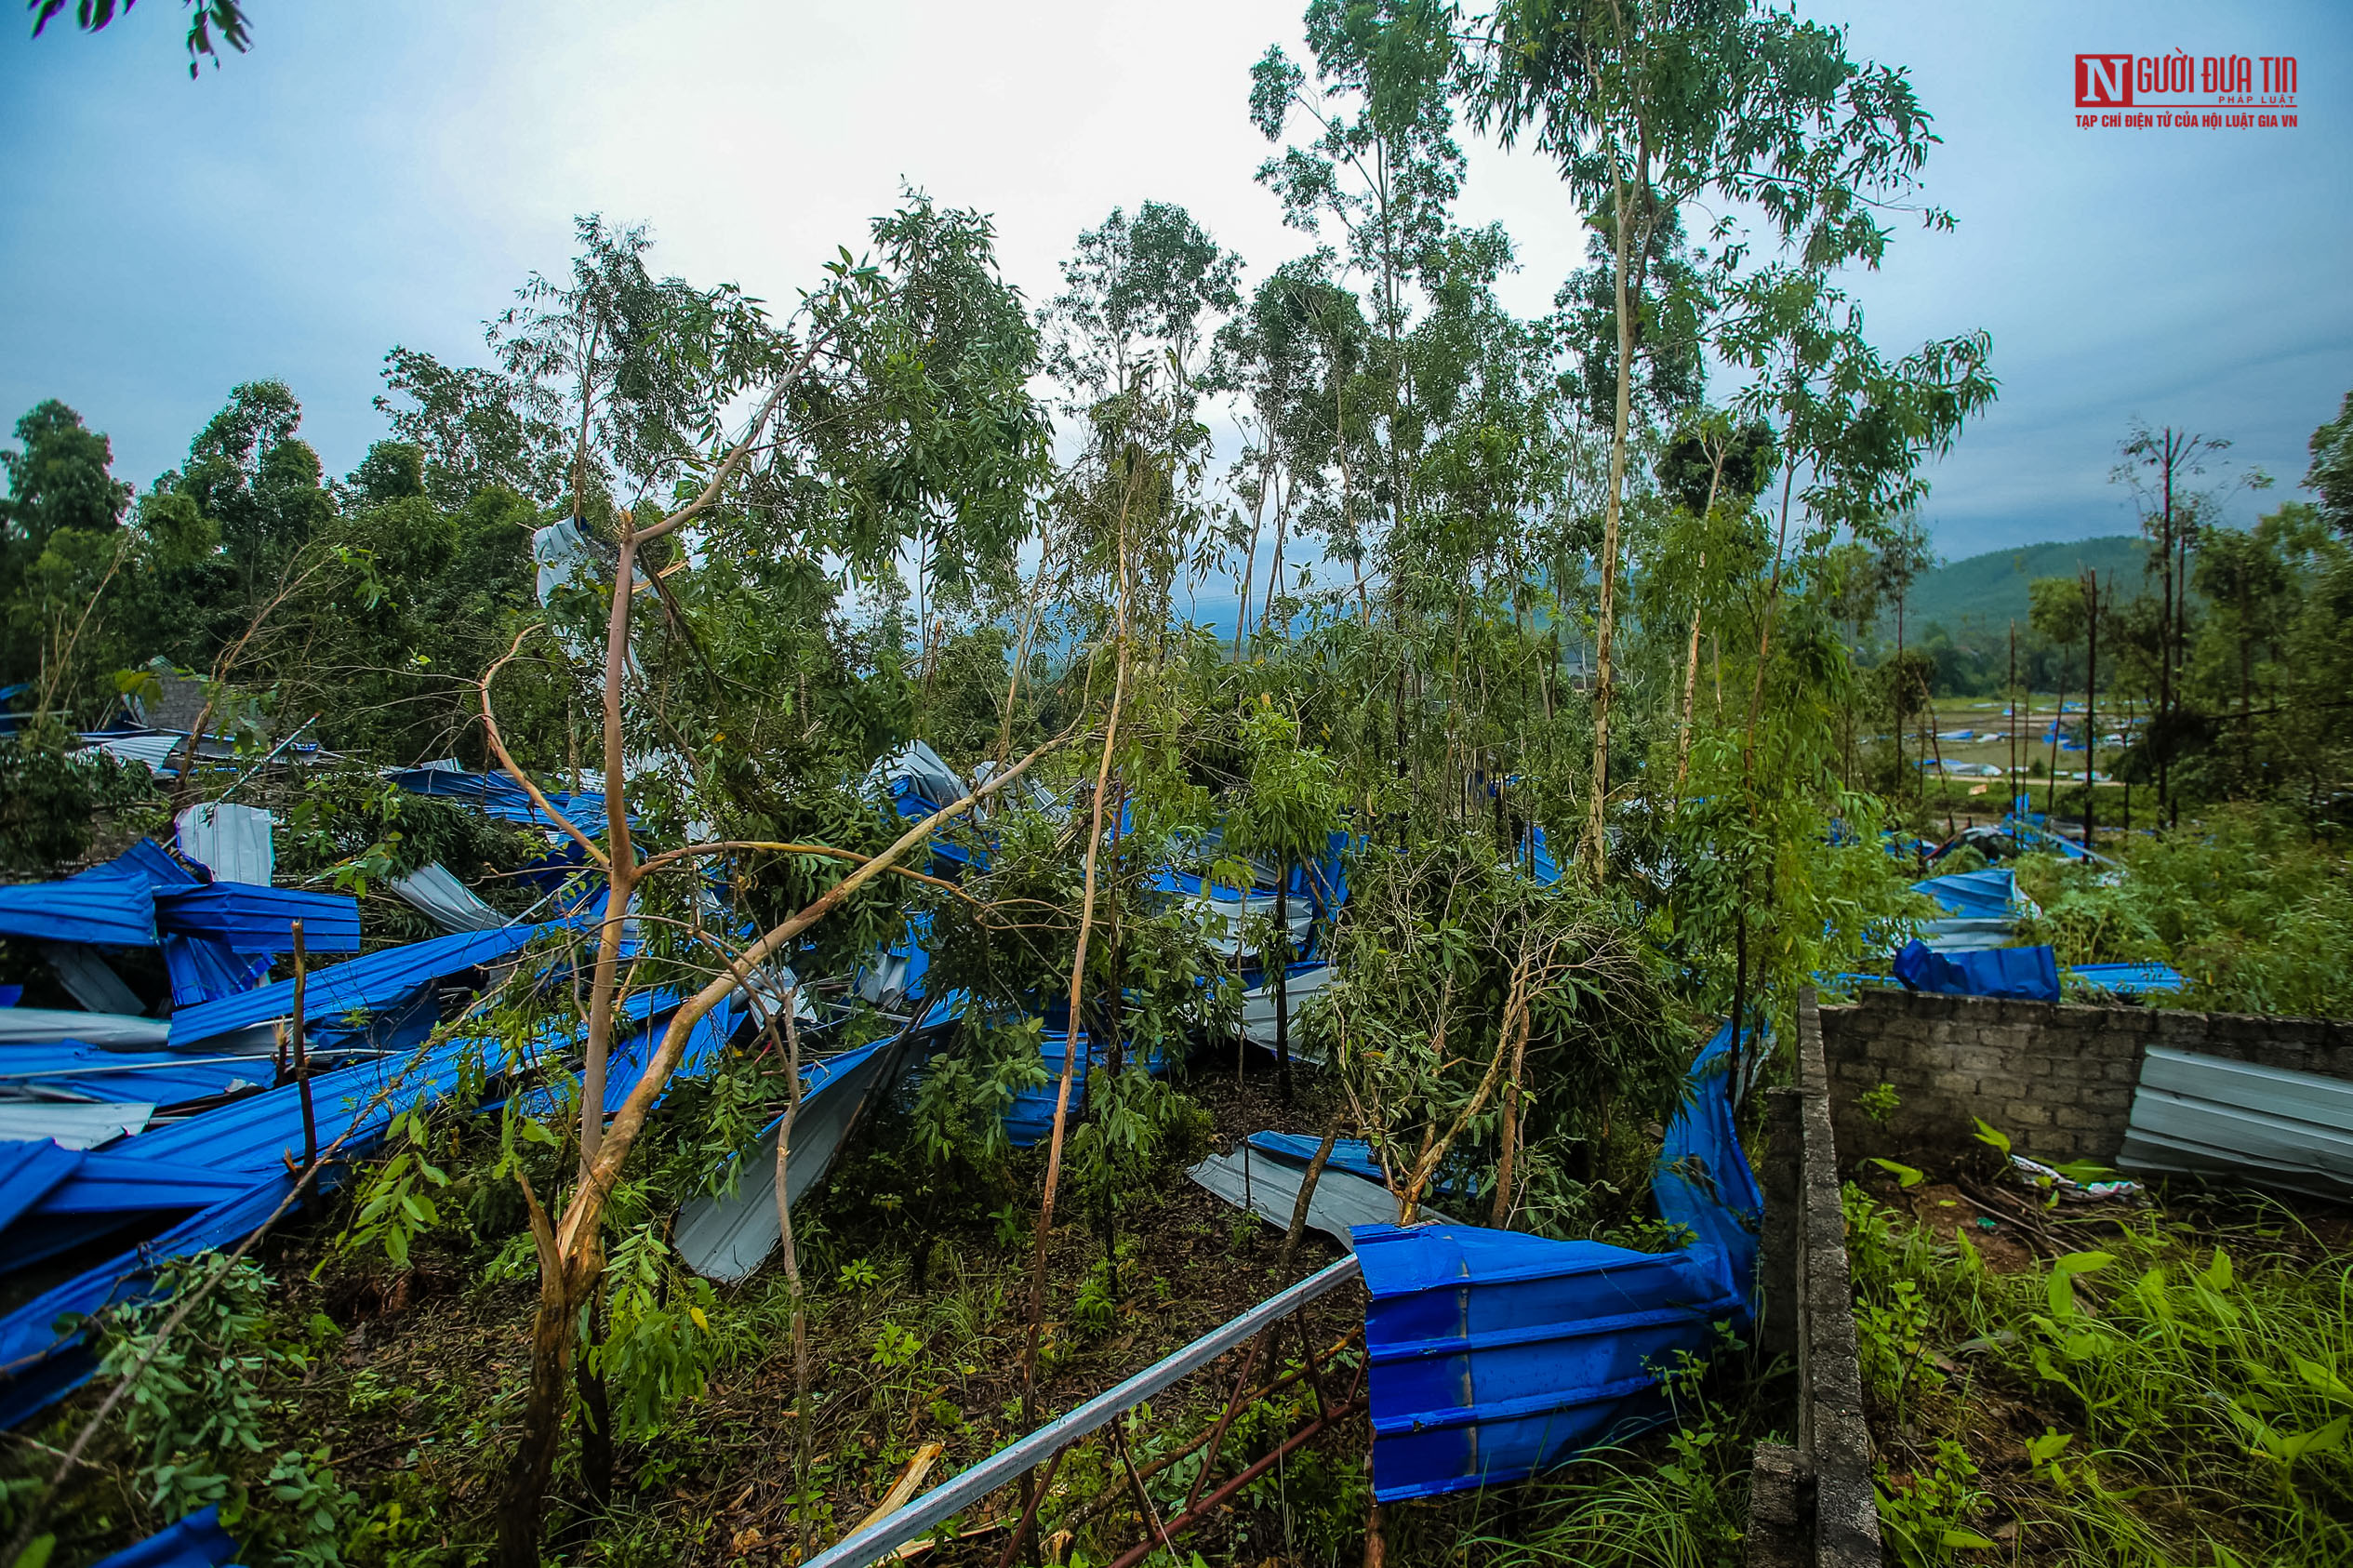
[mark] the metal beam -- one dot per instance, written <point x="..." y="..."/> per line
<point x="873" y="1542"/>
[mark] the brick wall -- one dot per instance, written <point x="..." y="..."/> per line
<point x="2057" y="1079"/>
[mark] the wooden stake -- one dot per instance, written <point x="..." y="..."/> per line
<point x="301" y="1060"/>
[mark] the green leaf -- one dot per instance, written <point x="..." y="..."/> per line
<point x="2295" y="1446"/>
<point x="2047" y="1447"/>
<point x="36" y="1553"/>
<point x="2322" y="1378"/>
<point x="1969" y="1539"/>
<point x="2082" y="1262"/>
<point x="1904" y="1174"/>
<point x="1990" y="1135"/>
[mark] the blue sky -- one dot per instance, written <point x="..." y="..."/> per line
<point x="372" y="175"/>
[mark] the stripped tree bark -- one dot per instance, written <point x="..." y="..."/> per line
<point x="792" y="1257"/>
<point x="569" y="1245"/>
<point x="1070" y="1046"/>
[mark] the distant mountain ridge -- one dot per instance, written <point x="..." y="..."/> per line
<point x="1983" y="593"/>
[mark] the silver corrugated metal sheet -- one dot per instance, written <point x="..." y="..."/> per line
<point x="448" y="903"/>
<point x="73" y="1125"/>
<point x="1269" y="1189"/>
<point x="727" y="1236"/>
<point x="2264" y="1125"/>
<point x="116" y="1031"/>
<point x="1301" y="985"/>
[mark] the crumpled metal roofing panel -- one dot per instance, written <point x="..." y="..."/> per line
<point x="369" y="982"/>
<point x="728" y="1235"/>
<point x="248" y="919"/>
<point x="2017" y="973"/>
<point x="110" y="906"/>
<point x="2267" y="1126"/>
<point x="1495" y="1355"/>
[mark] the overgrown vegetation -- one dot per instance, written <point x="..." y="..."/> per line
<point x="1552" y="637"/>
<point x="2245" y="903"/>
<point x="2147" y="1385"/>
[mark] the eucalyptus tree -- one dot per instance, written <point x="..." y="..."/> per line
<point x="1487" y="555"/>
<point x="474" y="428"/>
<point x="815" y="472"/>
<point x="1290" y="357"/>
<point x="1382" y="166"/>
<point x="637" y="371"/>
<point x="2159" y="466"/>
<point x="1136" y="298"/>
<point x="1649" y="106"/>
<point x="1132" y="335"/>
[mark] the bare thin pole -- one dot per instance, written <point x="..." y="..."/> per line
<point x="301" y="1058"/>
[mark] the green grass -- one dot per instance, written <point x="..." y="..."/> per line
<point x="2149" y="1393"/>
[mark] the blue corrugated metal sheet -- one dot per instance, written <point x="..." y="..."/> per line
<point x="1353" y="1155"/>
<point x="369" y="983"/>
<point x="1983" y="910"/>
<point x="154" y="862"/>
<point x="197" y="1541"/>
<point x="160" y="1078"/>
<point x="1991" y="895"/>
<point x="204" y="971"/>
<point x="2018" y="973"/>
<point x="247" y="919"/>
<point x="114" y="1181"/>
<point x="110" y="906"/>
<point x="1546" y="870"/>
<point x="496" y="796"/>
<point x="1030" y="1119"/>
<point x="1494" y="1355"/>
<point x="2267" y="1126"/>
<point x="1703" y="1182"/>
<point x="29" y="1171"/>
<point x="143" y="893"/>
<point x="259" y="1133"/>
<point x="79" y="1196"/>
<point x="41" y="1363"/>
<point x="2130" y="979"/>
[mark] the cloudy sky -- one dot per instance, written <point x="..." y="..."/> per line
<point x="372" y="175"/>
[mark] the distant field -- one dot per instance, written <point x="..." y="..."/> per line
<point x="1988" y="589"/>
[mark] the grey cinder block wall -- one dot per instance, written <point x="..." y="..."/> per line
<point x="2057" y="1079"/>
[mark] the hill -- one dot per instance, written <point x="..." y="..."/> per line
<point x="1987" y="591"/>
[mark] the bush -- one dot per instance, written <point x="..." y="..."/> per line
<point x="51" y="800"/>
<point x="2254" y="908"/>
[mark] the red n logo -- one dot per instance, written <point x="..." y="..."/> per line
<point x="2103" y="81"/>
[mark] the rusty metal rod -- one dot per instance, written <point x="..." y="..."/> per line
<point x="1216" y="1499"/>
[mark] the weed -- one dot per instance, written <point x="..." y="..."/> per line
<point x="204" y="1412"/>
<point x="1921" y="1516"/>
<point x="2181" y="1394"/>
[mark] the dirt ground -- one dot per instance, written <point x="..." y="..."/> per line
<point x="416" y="1393"/>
